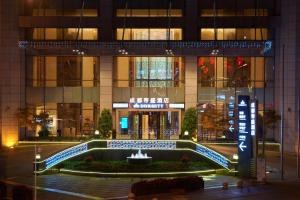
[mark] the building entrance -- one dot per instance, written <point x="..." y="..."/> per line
<point x="153" y="124"/>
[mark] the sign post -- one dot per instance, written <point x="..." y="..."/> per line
<point x="245" y="143"/>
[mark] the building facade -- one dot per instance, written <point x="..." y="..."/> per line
<point x="147" y="62"/>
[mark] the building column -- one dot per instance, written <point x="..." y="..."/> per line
<point x="287" y="36"/>
<point x="190" y="81"/>
<point x="106" y="69"/>
<point x="10" y="72"/>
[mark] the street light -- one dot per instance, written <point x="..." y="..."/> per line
<point x="186" y="133"/>
<point x="97" y="132"/>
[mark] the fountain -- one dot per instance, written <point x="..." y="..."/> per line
<point x="139" y="158"/>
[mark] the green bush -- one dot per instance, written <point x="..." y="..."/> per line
<point x="105" y="124"/>
<point x="189" y="123"/>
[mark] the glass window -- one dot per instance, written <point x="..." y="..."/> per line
<point x="65" y="34"/>
<point x="148" y="13"/>
<point x="234" y="34"/>
<point x="65" y="12"/>
<point x="231" y="71"/>
<point x="149" y="34"/>
<point x="148" y="71"/>
<point x="233" y="12"/>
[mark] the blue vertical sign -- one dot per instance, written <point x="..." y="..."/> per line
<point x="231" y="116"/>
<point x="244" y="136"/>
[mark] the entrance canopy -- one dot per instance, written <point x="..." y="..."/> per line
<point x="197" y="48"/>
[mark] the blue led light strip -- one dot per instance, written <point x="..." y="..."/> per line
<point x="212" y="155"/>
<point x="141" y="144"/>
<point x="66" y="154"/>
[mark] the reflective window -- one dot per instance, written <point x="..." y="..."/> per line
<point x="61" y="71"/>
<point x="149" y="34"/>
<point x="233" y="12"/>
<point x="234" y="34"/>
<point x="65" y="34"/>
<point x="148" y="13"/>
<point x="148" y="71"/>
<point x="231" y="71"/>
<point x="65" y="12"/>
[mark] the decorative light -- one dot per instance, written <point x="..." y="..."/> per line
<point x="235" y="157"/>
<point x="186" y="133"/>
<point x="214" y="52"/>
<point x="133" y="144"/>
<point x="37" y="156"/>
<point x="141" y="144"/>
<point x="212" y="155"/>
<point x="169" y="52"/>
<point x="97" y="132"/>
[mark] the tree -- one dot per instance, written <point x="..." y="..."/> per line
<point x="271" y="118"/>
<point x="189" y="123"/>
<point x="105" y="123"/>
<point x="43" y="120"/>
<point x="213" y="120"/>
<point x="25" y="116"/>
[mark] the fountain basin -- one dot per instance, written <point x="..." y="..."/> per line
<point x="139" y="158"/>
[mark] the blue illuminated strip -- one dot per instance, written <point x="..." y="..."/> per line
<point x="141" y="144"/>
<point x="66" y="154"/>
<point x="212" y="155"/>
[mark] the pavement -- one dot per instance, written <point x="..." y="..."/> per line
<point x="18" y="169"/>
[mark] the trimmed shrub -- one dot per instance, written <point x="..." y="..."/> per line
<point x="160" y="185"/>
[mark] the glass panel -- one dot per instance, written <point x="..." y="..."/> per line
<point x="148" y="13"/>
<point x="207" y="34"/>
<point x="149" y="71"/>
<point x="149" y="34"/>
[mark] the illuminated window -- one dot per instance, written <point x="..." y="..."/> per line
<point x="148" y="13"/>
<point x="231" y="71"/>
<point x="233" y="12"/>
<point x="65" y="12"/>
<point x="148" y="71"/>
<point x="234" y="34"/>
<point x="65" y="34"/>
<point x="61" y="71"/>
<point x="149" y="34"/>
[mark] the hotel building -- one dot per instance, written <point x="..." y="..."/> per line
<point x="147" y="62"/>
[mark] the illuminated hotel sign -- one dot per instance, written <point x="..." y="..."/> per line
<point x="149" y="103"/>
<point x="253" y="117"/>
<point x="244" y="136"/>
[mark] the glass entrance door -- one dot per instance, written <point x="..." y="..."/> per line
<point x="153" y="125"/>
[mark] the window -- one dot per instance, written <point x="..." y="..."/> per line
<point x="234" y="34"/>
<point x="65" y="12"/>
<point x="148" y="13"/>
<point x="148" y="71"/>
<point x="61" y="71"/>
<point x="149" y="34"/>
<point x="231" y="71"/>
<point x="65" y="34"/>
<point x="233" y="12"/>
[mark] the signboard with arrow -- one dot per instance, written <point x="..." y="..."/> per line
<point x="245" y="148"/>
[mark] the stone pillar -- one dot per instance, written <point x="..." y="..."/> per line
<point x="106" y="69"/>
<point x="10" y="72"/>
<point x="287" y="36"/>
<point x="190" y="81"/>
